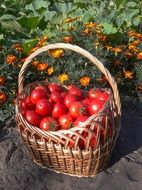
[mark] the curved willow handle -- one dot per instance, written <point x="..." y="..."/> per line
<point x="83" y="52"/>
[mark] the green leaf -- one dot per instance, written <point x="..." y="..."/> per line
<point x="28" y="45"/>
<point x="137" y="21"/>
<point x="9" y="22"/>
<point x="108" y="29"/>
<point x="31" y="22"/>
<point x="36" y="5"/>
<point x="132" y="4"/>
<point x="49" y="15"/>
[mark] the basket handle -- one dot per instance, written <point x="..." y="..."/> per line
<point x="81" y="51"/>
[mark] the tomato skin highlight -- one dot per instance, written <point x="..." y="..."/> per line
<point x="59" y="109"/>
<point x="65" y="121"/>
<point x="77" y="109"/>
<point x="48" y="124"/>
<point x="54" y="88"/>
<point x="69" y="99"/>
<point x="38" y="94"/>
<point x="103" y="96"/>
<point x="33" y="118"/>
<point x="56" y="97"/>
<point x="95" y="106"/>
<point x="75" y="90"/>
<point x="43" y="107"/>
<point x="93" y="94"/>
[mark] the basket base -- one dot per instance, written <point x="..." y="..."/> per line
<point x="68" y="174"/>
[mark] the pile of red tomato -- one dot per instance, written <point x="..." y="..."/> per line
<point x="51" y="107"/>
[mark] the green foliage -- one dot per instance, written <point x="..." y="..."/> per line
<point x="28" y="21"/>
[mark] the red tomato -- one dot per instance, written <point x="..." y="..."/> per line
<point x="87" y="102"/>
<point x="93" y="94"/>
<point x="95" y="106"/>
<point x="63" y="94"/>
<point x="43" y="107"/>
<point x="58" y="110"/>
<point x="65" y="121"/>
<point x="56" y="97"/>
<point x="37" y="95"/>
<point x="77" y="109"/>
<point x="47" y="91"/>
<point x="69" y="99"/>
<point x="48" y="124"/>
<point x="93" y="142"/>
<point x="54" y="88"/>
<point x="80" y="119"/>
<point x="23" y="107"/>
<point x="103" y="96"/>
<point x="33" y="118"/>
<point x="75" y="90"/>
<point x="29" y="103"/>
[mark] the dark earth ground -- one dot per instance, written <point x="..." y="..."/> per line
<point x="18" y="172"/>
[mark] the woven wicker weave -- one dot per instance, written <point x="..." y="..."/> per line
<point x="51" y="150"/>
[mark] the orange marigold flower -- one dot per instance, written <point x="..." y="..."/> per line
<point x="63" y="77"/>
<point x="68" y="39"/>
<point x="57" y="53"/>
<point x="128" y="55"/>
<point x="50" y="70"/>
<point x="17" y="47"/>
<point x="10" y="59"/>
<point x="71" y="28"/>
<point x="42" y="41"/>
<point x="116" y="49"/>
<point x="139" y="88"/>
<point x="35" y="63"/>
<point x="33" y="50"/>
<point x="86" y="32"/>
<point x="41" y="66"/>
<point x="2" y="80"/>
<point x="85" y="81"/>
<point x="3" y="97"/>
<point x="139" y="56"/>
<point x="128" y="74"/>
<point x="68" y="20"/>
<point x="135" y="43"/>
<point x="90" y="25"/>
<point x="108" y="47"/>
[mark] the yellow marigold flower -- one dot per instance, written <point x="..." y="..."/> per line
<point x="41" y="66"/>
<point x="131" y="47"/>
<point x="128" y="55"/>
<point x="68" y="39"/>
<point x="116" y="49"/>
<point x="90" y="25"/>
<point x="139" y="56"/>
<point x="86" y="32"/>
<point x="85" y="81"/>
<point x="128" y="74"/>
<point x="3" y="97"/>
<point x="63" y="77"/>
<point x="50" y="70"/>
<point x="2" y="80"/>
<point x="57" y="53"/>
<point x="10" y="59"/>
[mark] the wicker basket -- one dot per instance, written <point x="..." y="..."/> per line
<point x="51" y="150"/>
